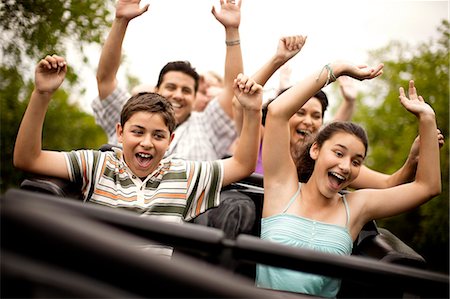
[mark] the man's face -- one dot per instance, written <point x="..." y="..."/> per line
<point x="145" y="139"/>
<point x="179" y="89"/>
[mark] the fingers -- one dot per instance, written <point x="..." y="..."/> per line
<point x="412" y="90"/>
<point x="144" y="9"/>
<point x="53" y="61"/>
<point x="246" y="84"/>
<point x="293" y="43"/>
<point x="441" y="138"/>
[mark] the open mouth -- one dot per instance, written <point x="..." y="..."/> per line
<point x="303" y="133"/>
<point x="336" y="179"/>
<point x="144" y="159"/>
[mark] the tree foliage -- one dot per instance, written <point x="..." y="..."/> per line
<point x="29" y="30"/>
<point x="391" y="130"/>
<point x="33" y="29"/>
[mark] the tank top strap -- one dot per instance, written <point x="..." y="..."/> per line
<point x="292" y="199"/>
<point x="347" y="209"/>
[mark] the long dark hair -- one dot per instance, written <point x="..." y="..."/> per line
<point x="304" y="162"/>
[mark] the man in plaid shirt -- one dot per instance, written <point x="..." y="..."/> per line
<point x="203" y="136"/>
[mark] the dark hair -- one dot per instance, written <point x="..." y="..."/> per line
<point x="320" y="95"/>
<point x="179" y="66"/>
<point x="304" y="162"/>
<point x="149" y="102"/>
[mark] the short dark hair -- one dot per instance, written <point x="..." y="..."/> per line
<point x="304" y="162"/>
<point x="149" y="102"/>
<point x="179" y="66"/>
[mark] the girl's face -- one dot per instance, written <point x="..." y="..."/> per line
<point x="306" y="122"/>
<point x="338" y="162"/>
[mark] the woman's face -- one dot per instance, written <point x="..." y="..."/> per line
<point x="306" y="122"/>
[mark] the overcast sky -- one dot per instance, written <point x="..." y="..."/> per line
<point x="344" y="29"/>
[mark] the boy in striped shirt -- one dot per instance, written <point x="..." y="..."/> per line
<point x="138" y="177"/>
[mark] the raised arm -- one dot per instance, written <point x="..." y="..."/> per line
<point x="109" y="63"/>
<point x="28" y="154"/>
<point x="243" y="162"/>
<point x="427" y="183"/>
<point x="277" y="160"/>
<point x="230" y="17"/>
<point x="349" y="92"/>
<point x="369" y="178"/>
<point x="288" y="47"/>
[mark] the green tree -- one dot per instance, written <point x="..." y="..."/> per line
<point x="29" y="30"/>
<point x="391" y="131"/>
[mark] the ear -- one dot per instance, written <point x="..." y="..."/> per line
<point x="171" y="138"/>
<point x="119" y="132"/>
<point x="314" y="151"/>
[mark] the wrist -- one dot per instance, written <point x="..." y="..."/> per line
<point x="278" y="61"/>
<point x="43" y="93"/>
<point x="428" y="116"/>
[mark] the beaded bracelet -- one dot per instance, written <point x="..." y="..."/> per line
<point x="330" y="77"/>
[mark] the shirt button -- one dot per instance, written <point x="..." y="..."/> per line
<point x="133" y="176"/>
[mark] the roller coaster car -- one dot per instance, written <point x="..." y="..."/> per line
<point x="64" y="248"/>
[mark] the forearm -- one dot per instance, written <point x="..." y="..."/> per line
<point x="110" y="57"/>
<point x="289" y="102"/>
<point x="238" y="115"/>
<point x="428" y="167"/>
<point x="243" y="162"/>
<point x="268" y="69"/>
<point x="28" y="144"/>
<point x="233" y="67"/>
<point x="248" y="147"/>
<point x="345" y="111"/>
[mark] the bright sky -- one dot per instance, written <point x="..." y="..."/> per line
<point x="345" y="29"/>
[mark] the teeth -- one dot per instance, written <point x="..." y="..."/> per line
<point x="144" y="155"/>
<point x="340" y="177"/>
<point x="175" y="104"/>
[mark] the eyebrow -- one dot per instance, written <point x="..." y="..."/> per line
<point x="144" y="128"/>
<point x="344" y="147"/>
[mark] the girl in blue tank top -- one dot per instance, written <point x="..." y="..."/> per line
<point x="314" y="214"/>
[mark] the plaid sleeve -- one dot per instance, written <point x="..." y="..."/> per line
<point x="204" y="185"/>
<point x="107" y="112"/>
<point x="222" y="131"/>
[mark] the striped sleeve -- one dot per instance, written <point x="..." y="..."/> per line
<point x="203" y="186"/>
<point x="83" y="166"/>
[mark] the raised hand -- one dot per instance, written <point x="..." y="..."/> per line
<point x="248" y="92"/>
<point x="415" y="103"/>
<point x="359" y="72"/>
<point x="129" y="9"/>
<point x="229" y="14"/>
<point x="289" y="46"/>
<point x="50" y="73"/>
<point x="347" y="88"/>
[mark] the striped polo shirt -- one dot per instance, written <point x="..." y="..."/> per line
<point x="177" y="190"/>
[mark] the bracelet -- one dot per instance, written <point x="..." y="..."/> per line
<point x="232" y="42"/>
<point x="330" y="77"/>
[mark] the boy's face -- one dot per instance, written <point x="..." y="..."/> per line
<point x="179" y="89"/>
<point x="145" y="139"/>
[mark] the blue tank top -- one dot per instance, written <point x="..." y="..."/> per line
<point x="296" y="231"/>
